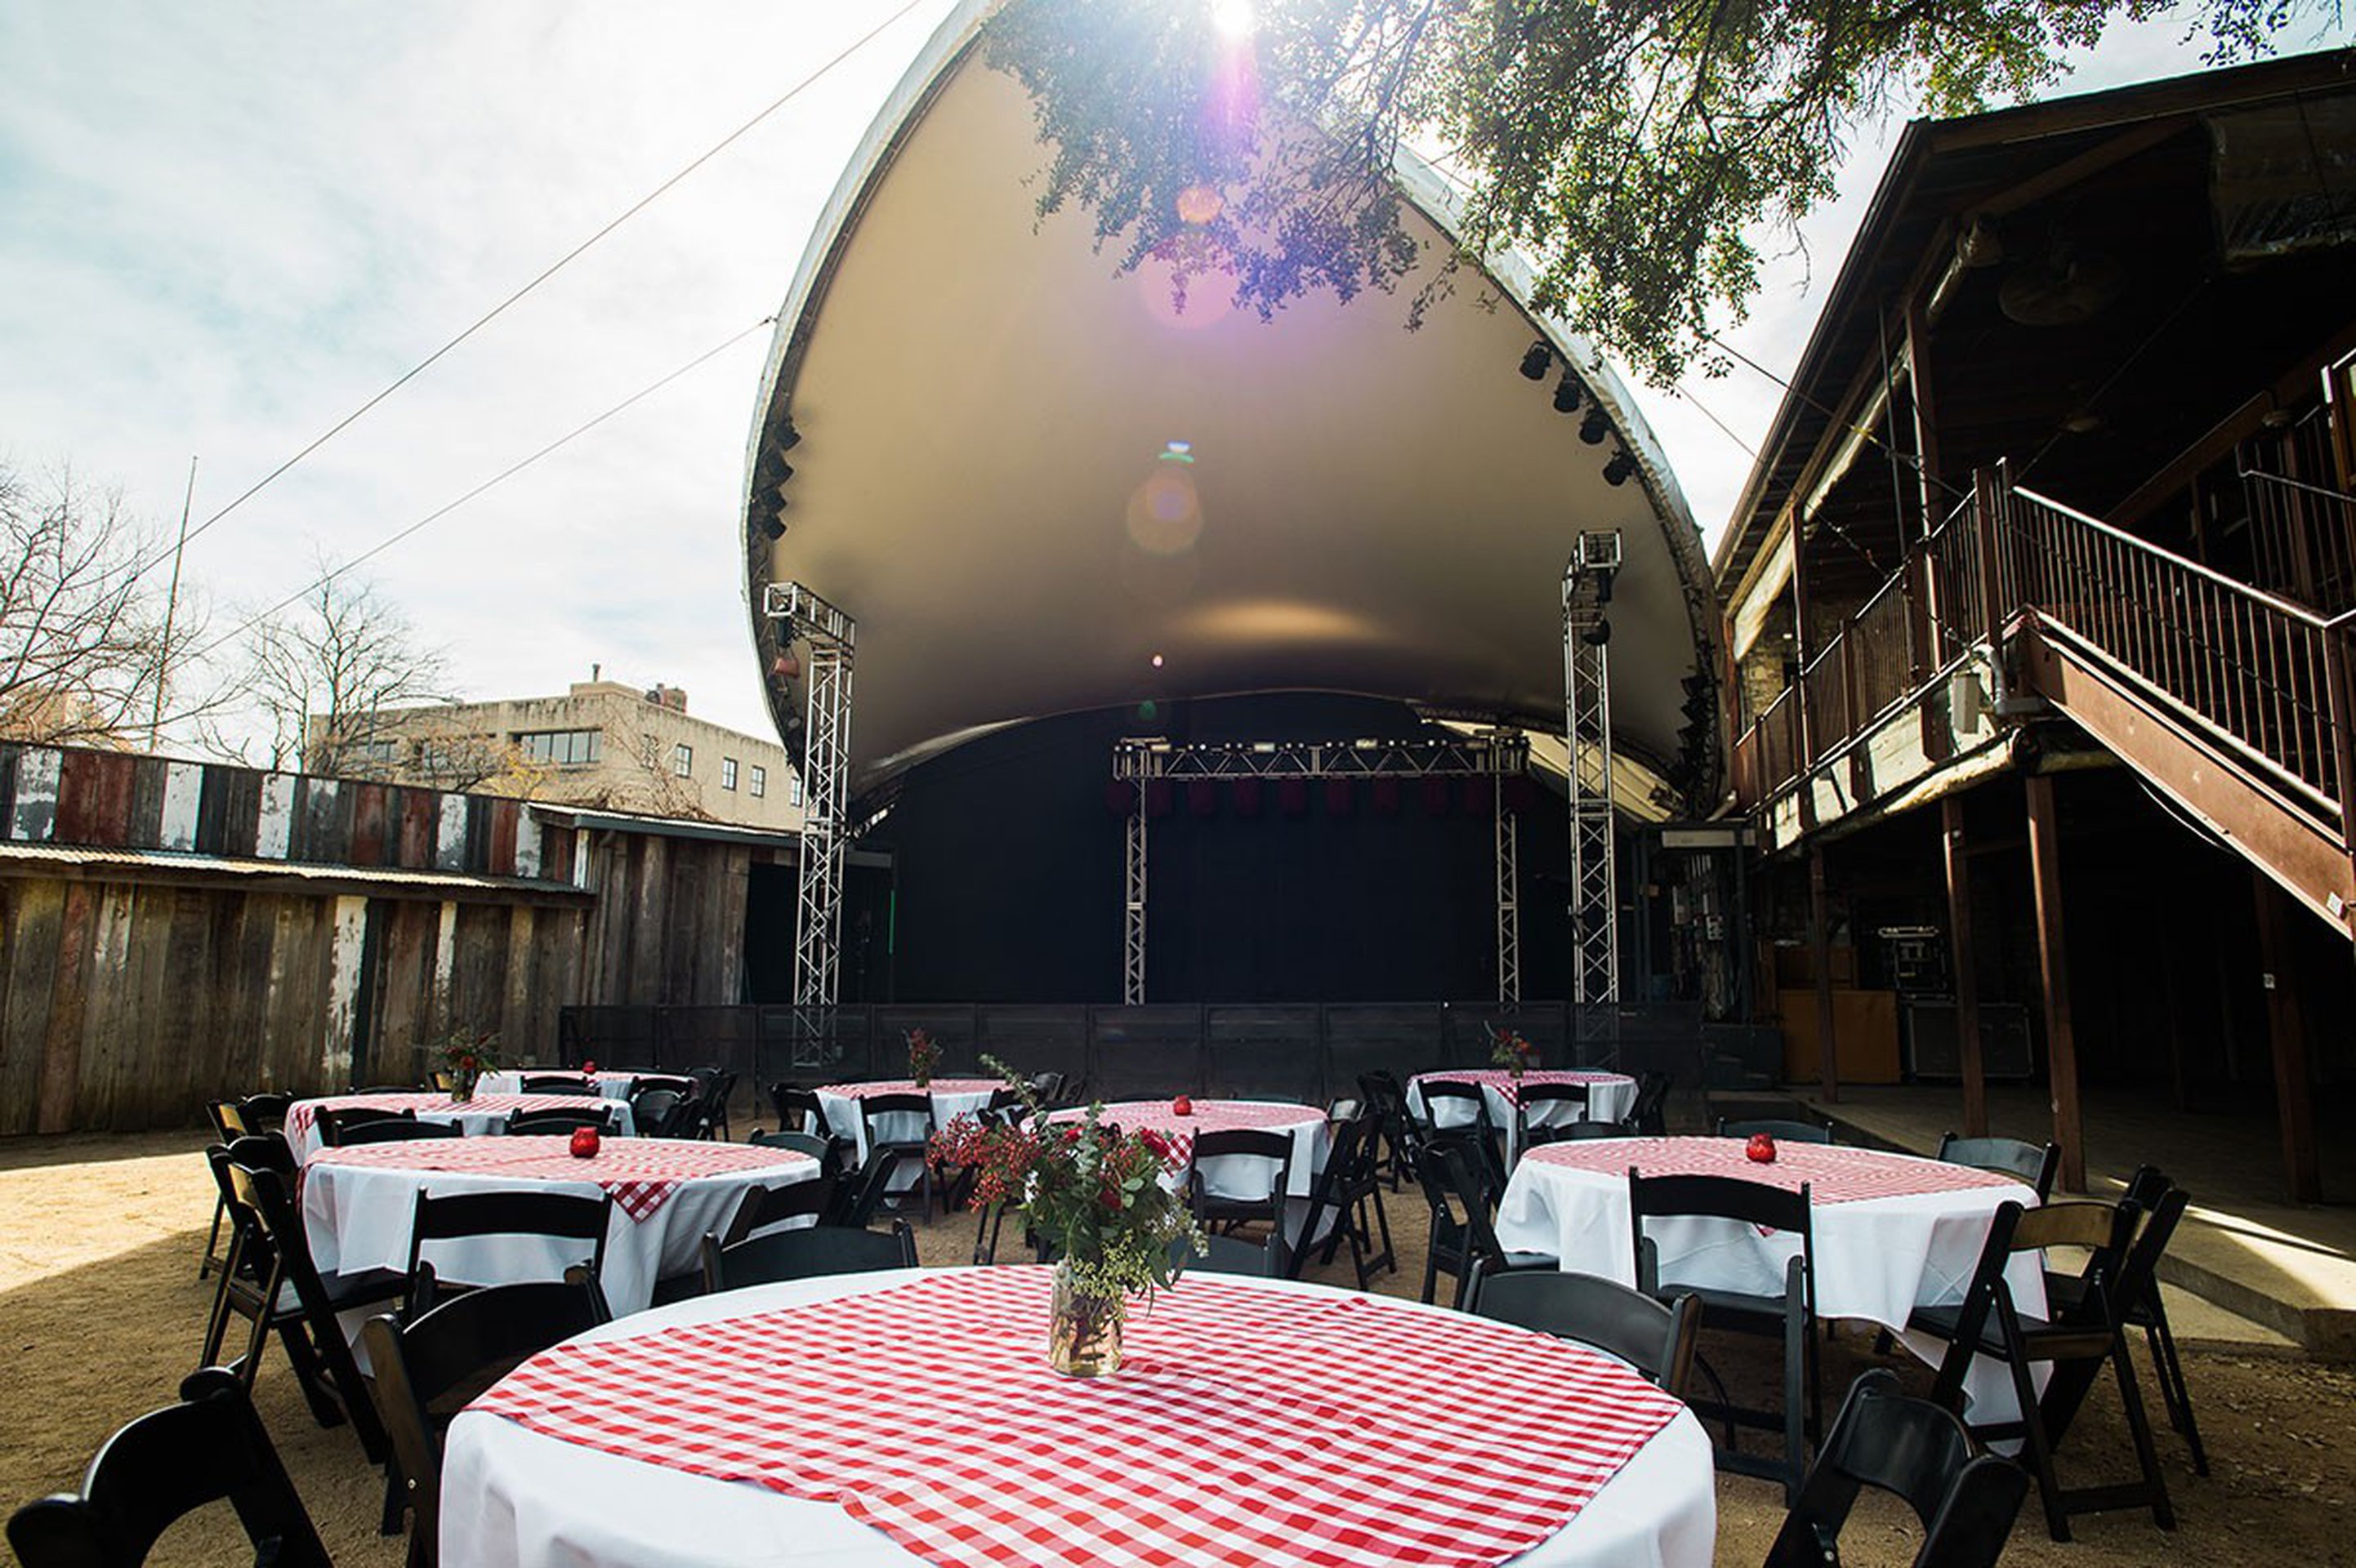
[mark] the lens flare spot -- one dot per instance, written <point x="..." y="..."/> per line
<point x="1157" y="661"/>
<point x="1233" y="19"/>
<point x="1165" y="515"/>
<point x="1199" y="204"/>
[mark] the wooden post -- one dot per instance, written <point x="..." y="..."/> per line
<point x="1987" y="492"/>
<point x="2287" y="1024"/>
<point x="1926" y="412"/>
<point x="1803" y="651"/>
<point x="1820" y="940"/>
<point x="2054" y="965"/>
<point x="1972" y="1063"/>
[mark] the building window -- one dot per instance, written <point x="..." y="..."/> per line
<point x="727" y="773"/>
<point x="682" y="760"/>
<point x="793" y="790"/>
<point x="760" y="780"/>
<point x="566" y="748"/>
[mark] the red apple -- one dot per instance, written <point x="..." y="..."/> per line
<point x="585" y="1143"/>
<point x="1762" y="1148"/>
<point x="589" y="1069"/>
<point x="1181" y="1106"/>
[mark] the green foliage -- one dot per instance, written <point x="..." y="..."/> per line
<point x="1632" y="148"/>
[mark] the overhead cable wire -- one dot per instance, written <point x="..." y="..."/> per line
<point x="504" y="474"/>
<point x="547" y="273"/>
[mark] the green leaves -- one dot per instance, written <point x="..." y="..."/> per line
<point x="1634" y="149"/>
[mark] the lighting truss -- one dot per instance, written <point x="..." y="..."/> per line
<point x="1587" y="716"/>
<point x="825" y="762"/>
<point x="1494" y="754"/>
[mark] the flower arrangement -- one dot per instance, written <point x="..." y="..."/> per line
<point x="923" y="1057"/>
<point x="1093" y="1194"/>
<point x="467" y="1054"/>
<point x="1509" y="1051"/>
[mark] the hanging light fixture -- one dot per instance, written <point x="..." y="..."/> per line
<point x="1595" y="426"/>
<point x="1567" y="394"/>
<point x="1537" y="358"/>
<point x="1616" y="472"/>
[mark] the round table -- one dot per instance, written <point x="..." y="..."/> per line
<point x="611" y="1085"/>
<point x="515" y="1494"/>
<point x="483" y="1112"/>
<point x="358" y="1203"/>
<point x="1610" y="1097"/>
<point x="1892" y="1231"/>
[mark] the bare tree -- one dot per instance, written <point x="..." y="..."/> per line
<point x="327" y="676"/>
<point x="83" y="656"/>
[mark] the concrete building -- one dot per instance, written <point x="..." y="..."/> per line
<point x="603" y="743"/>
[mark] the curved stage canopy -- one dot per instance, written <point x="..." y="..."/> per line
<point x="1040" y="489"/>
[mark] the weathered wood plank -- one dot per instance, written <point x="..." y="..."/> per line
<point x="108" y="980"/>
<point x="35" y="916"/>
<point x="368" y="830"/>
<point x="500" y="819"/>
<point x="274" y="837"/>
<point x="421" y="818"/>
<point x="94" y="797"/>
<point x="68" y="1001"/>
<point x="144" y="824"/>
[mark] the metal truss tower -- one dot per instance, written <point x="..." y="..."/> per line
<point x="826" y="770"/>
<point x="1493" y="753"/>
<point x="1587" y="713"/>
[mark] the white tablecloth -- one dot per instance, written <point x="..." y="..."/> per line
<point x="1239" y="1176"/>
<point x="358" y="1217"/>
<point x="509" y="1081"/>
<point x="1876" y="1258"/>
<point x="487" y="1112"/>
<point x="516" y="1498"/>
<point x="1610" y="1097"/>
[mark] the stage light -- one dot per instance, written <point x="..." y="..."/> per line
<point x="1616" y="472"/>
<point x="774" y="525"/>
<point x="1535" y="360"/>
<point x="1594" y="427"/>
<point x="1567" y="393"/>
<point x="785" y="439"/>
<point x="1598" y="634"/>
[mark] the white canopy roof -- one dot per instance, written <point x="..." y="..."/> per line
<point x="1039" y="489"/>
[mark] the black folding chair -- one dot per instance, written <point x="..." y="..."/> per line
<point x="654" y="1111"/>
<point x="1227" y="1211"/>
<point x="1229" y="1254"/>
<point x="857" y="1198"/>
<point x="1339" y="1203"/>
<point x="1655" y="1337"/>
<point x="209" y="1448"/>
<point x="798" y="1109"/>
<point x="1782" y="1131"/>
<point x="559" y="1121"/>
<point x="1789" y="1317"/>
<point x="1476" y="1130"/>
<point x="805" y="1255"/>
<point x="397" y="1130"/>
<point x="827" y="1151"/>
<point x="1649" y="1115"/>
<point x="458" y="1216"/>
<point x="285" y="1293"/>
<point x="428" y="1370"/>
<point x="1382" y="1093"/>
<point x="1966" y="1500"/>
<point x="1461" y="1236"/>
<point x="2076" y="1339"/>
<point x="764" y="1209"/>
<point x="335" y="1123"/>
<point x="1531" y="1130"/>
<point x="558" y="1084"/>
<point x="2036" y="1164"/>
<point x="890" y="1120"/>
<point x="2147" y="1311"/>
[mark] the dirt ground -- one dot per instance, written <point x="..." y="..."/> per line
<point x="102" y="1314"/>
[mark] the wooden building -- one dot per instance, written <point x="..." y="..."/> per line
<point x="171" y="932"/>
<point x="2038" y="604"/>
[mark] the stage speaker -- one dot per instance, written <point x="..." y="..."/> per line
<point x="1933" y="1053"/>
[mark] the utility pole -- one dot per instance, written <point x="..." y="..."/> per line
<point x="171" y="606"/>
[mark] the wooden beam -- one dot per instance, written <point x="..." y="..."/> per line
<point x="2286" y="1026"/>
<point x="1820" y="941"/>
<point x="2053" y="969"/>
<point x="1963" y="957"/>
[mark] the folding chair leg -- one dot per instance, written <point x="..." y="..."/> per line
<point x="2172" y="1387"/>
<point x="396" y="1500"/>
<point x="1799" y="1394"/>
<point x="2163" y="1513"/>
<point x="309" y="1375"/>
<point x="212" y="1241"/>
<point x="2039" y="1448"/>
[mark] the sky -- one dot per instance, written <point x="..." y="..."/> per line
<point x="223" y="228"/>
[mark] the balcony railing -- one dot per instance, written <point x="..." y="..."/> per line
<point x="2261" y="676"/>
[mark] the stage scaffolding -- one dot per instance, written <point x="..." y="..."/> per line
<point x="830" y="634"/>
<point x="1587" y="719"/>
<point x="1492" y="753"/>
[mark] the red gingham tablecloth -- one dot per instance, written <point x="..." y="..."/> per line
<point x="1502" y="1081"/>
<point x="641" y="1173"/>
<point x="1833" y="1175"/>
<point x="300" y="1116"/>
<point x="1209" y="1116"/>
<point x="1244" y="1427"/>
<point x="910" y="1086"/>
